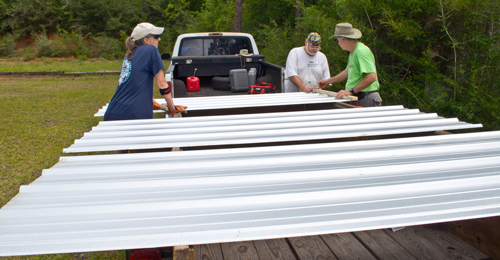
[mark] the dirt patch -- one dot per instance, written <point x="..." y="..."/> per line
<point x="25" y="43"/>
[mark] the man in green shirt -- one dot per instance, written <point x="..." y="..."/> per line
<point x="360" y="73"/>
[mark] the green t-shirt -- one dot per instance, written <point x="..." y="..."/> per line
<point x="361" y="61"/>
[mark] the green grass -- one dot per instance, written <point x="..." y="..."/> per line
<point x="39" y="116"/>
<point x="66" y="65"/>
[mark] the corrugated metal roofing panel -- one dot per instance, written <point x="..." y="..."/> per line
<point x="107" y="202"/>
<point x="239" y="101"/>
<point x="260" y="128"/>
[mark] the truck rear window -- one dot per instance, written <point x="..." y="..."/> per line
<point x="214" y="46"/>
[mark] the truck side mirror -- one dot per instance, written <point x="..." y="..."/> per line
<point x="165" y="56"/>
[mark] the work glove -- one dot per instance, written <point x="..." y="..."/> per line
<point x="156" y="105"/>
<point x="179" y="109"/>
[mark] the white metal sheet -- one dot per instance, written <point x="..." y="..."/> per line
<point x="260" y="128"/>
<point x="239" y="101"/>
<point x="110" y="202"/>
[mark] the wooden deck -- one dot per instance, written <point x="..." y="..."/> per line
<point x="417" y="242"/>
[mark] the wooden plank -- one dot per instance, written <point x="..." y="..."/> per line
<point x="428" y="243"/>
<point x="183" y="253"/>
<point x="208" y="252"/>
<point x="334" y="94"/>
<point x="382" y="245"/>
<point x="483" y="233"/>
<point x="273" y="249"/>
<point x="346" y="246"/>
<point x="311" y="247"/>
<point x="239" y="250"/>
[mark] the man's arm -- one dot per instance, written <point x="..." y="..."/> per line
<point x="342" y="76"/>
<point x="368" y="79"/>
<point x="297" y="82"/>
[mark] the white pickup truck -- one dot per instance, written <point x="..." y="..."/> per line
<point x="210" y="57"/>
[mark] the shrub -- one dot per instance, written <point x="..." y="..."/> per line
<point x="28" y="54"/>
<point x="7" y="45"/>
<point x="81" y="50"/>
<point x="108" y="48"/>
<point x="46" y="47"/>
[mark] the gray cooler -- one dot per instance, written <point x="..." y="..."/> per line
<point x="239" y="80"/>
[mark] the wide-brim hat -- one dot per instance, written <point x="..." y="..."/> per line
<point x="244" y="52"/>
<point x="144" y="29"/>
<point x="346" y="30"/>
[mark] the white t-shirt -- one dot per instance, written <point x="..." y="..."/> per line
<point x="309" y="69"/>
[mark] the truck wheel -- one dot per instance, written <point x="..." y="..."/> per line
<point x="180" y="89"/>
<point x="221" y="83"/>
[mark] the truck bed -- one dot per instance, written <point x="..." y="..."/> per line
<point x="209" y="91"/>
<point x="266" y="72"/>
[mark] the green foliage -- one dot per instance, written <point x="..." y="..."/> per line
<point x="46" y="47"/>
<point x="108" y="48"/>
<point x="261" y="12"/>
<point x="103" y="17"/>
<point x="7" y="45"/>
<point x="73" y="44"/>
<point x="216" y="16"/>
<point x="179" y="18"/>
<point x="275" y="43"/>
<point x="34" y="16"/>
<point x="28" y="54"/>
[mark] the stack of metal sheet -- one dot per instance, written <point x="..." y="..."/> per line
<point x="240" y="101"/>
<point x="108" y="202"/>
<point x="261" y="128"/>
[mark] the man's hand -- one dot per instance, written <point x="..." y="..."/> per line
<point x="322" y="84"/>
<point x="343" y="93"/>
<point x="306" y="88"/>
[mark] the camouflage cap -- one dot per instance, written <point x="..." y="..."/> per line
<point x="314" y="39"/>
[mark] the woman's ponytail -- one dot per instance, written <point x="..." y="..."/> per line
<point x="132" y="46"/>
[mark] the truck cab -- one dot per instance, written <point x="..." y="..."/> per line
<point x="211" y="57"/>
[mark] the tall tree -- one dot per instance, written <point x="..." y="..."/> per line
<point x="298" y="12"/>
<point x="238" y="15"/>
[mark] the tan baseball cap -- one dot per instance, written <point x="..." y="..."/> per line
<point x="144" y="29"/>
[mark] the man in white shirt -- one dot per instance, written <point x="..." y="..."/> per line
<point x="306" y="66"/>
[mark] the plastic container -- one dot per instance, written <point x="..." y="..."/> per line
<point x="193" y="84"/>
<point x="238" y="79"/>
<point x="252" y="75"/>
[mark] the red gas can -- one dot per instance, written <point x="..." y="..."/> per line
<point x="193" y="84"/>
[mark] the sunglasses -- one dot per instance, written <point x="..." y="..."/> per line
<point x="336" y="40"/>
<point x="156" y="37"/>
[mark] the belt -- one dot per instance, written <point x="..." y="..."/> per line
<point x="362" y="95"/>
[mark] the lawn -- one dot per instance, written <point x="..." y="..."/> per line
<point x="60" y="64"/>
<point x="39" y="116"/>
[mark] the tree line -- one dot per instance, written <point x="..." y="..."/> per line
<point x="435" y="55"/>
